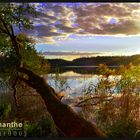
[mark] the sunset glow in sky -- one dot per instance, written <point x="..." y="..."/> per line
<point x="104" y="28"/>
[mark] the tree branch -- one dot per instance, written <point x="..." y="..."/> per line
<point x="3" y="31"/>
<point x="91" y="98"/>
<point x="92" y="104"/>
<point x="12" y="30"/>
<point x="5" y="26"/>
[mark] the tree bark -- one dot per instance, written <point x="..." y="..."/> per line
<point x="64" y="117"/>
<point x="18" y="50"/>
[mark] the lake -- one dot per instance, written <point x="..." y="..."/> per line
<point x="74" y="85"/>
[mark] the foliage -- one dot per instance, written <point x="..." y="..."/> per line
<point x="5" y="47"/>
<point x="17" y="14"/>
<point x="5" y="110"/>
<point x="44" y="127"/>
<point x="14" y="44"/>
<point x="116" y="113"/>
<point x="14" y="18"/>
<point x="31" y="57"/>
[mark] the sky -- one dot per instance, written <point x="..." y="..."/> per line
<point x="100" y="28"/>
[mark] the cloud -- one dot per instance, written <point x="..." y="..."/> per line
<point x="46" y="31"/>
<point x="45" y="40"/>
<point x="66" y="29"/>
<point x="61" y="20"/>
<point x="48" y="40"/>
<point x="54" y="21"/>
<point x="95" y="19"/>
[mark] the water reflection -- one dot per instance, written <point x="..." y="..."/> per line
<point x="78" y="83"/>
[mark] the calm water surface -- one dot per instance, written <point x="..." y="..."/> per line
<point x="72" y="84"/>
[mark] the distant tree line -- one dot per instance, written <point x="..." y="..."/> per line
<point x="95" y="61"/>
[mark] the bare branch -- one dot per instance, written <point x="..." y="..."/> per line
<point x="92" y="104"/>
<point x="91" y="98"/>
<point x="12" y="30"/>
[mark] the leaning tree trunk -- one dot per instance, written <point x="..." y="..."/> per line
<point x="64" y="117"/>
<point x="66" y="120"/>
<point x="19" y="51"/>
